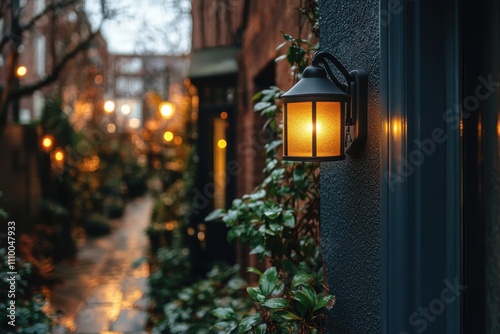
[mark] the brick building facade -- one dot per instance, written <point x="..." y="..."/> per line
<point x="234" y="47"/>
<point x="254" y="29"/>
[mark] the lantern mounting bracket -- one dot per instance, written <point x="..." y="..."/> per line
<point x="356" y="87"/>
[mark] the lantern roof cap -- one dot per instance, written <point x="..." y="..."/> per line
<point x="315" y="83"/>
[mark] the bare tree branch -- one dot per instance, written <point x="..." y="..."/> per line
<point x="31" y="88"/>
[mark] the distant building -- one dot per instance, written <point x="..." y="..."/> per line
<point x="132" y="76"/>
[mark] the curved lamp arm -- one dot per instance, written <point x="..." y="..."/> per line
<point x="320" y="57"/>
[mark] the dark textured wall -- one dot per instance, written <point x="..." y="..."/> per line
<point x="350" y="189"/>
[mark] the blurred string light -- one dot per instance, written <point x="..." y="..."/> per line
<point x="134" y="123"/>
<point x="111" y="128"/>
<point x="109" y="106"/>
<point x="168" y="136"/>
<point x="222" y="143"/>
<point x="90" y="164"/>
<point x="98" y="79"/>
<point x="59" y="155"/>
<point x="126" y="109"/>
<point x="21" y="71"/>
<point x="47" y="142"/>
<point x="167" y="110"/>
<point x="177" y="140"/>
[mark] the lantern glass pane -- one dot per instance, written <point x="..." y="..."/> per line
<point x="299" y="129"/>
<point x="328" y="129"/>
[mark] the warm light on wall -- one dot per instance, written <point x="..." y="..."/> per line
<point x="167" y="110"/>
<point x="223" y="115"/>
<point x="319" y="113"/>
<point x="21" y="71"/>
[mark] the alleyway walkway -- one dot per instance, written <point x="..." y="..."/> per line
<point x="102" y="292"/>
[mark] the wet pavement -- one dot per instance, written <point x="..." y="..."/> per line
<point x="104" y="291"/>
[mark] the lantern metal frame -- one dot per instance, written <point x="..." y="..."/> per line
<point x="352" y="96"/>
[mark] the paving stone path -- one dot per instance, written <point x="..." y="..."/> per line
<point x="102" y="292"/>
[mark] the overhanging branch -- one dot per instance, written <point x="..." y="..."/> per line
<point x="31" y="88"/>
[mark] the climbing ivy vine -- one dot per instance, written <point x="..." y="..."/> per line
<point x="279" y="221"/>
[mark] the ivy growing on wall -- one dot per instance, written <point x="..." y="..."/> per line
<point x="279" y="221"/>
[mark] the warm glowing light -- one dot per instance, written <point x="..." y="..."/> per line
<point x="134" y="123"/>
<point x="109" y="106"/>
<point x="126" y="109"/>
<point x="201" y="236"/>
<point x="111" y="128"/>
<point x="168" y="136"/>
<point x="223" y="115"/>
<point x="170" y="226"/>
<point x="190" y="231"/>
<point x="59" y="155"/>
<point x="167" y="110"/>
<point x="98" y="79"/>
<point x="396" y="128"/>
<point x="177" y="140"/>
<point x="498" y="128"/>
<point x="222" y="143"/>
<point x="47" y="142"/>
<point x="21" y="71"/>
<point x="318" y="128"/>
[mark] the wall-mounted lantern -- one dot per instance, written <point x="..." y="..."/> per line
<point x="324" y="118"/>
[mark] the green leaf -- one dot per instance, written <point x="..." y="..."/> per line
<point x="254" y="270"/>
<point x="272" y="145"/>
<point x="258" y="250"/>
<point x="216" y="214"/>
<point x="256" y="294"/>
<point x="227" y="326"/>
<point x="276" y="303"/>
<point x="261" y="329"/>
<point x="224" y="313"/>
<point x="289" y="219"/>
<point x="257" y="96"/>
<point x="323" y="302"/>
<point x="230" y="217"/>
<point x="302" y="278"/>
<point x="305" y="296"/>
<point x="248" y="322"/>
<point x="280" y="58"/>
<point x="285" y="316"/>
<point x="255" y="196"/>
<point x="269" y="111"/>
<point x="281" y="45"/>
<point x="235" y="232"/>
<point x="261" y="105"/>
<point x="268" y="281"/>
<point x="273" y="213"/>
<point x="287" y="37"/>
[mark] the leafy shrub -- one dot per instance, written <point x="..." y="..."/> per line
<point x="31" y="316"/>
<point x="191" y="308"/>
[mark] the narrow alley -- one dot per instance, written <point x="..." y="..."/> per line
<point x="105" y="289"/>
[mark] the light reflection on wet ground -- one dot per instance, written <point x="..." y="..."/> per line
<point x="101" y="292"/>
